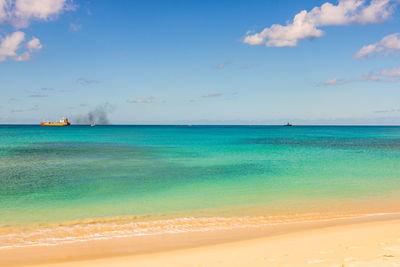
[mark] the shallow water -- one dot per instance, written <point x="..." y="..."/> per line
<point x="57" y="177"/>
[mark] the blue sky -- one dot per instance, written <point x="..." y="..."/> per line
<point x="207" y="62"/>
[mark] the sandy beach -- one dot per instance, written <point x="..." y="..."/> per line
<point x="199" y="133"/>
<point x="349" y="243"/>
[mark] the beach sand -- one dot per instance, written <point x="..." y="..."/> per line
<point x="351" y="243"/>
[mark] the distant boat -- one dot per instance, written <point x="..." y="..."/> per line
<point x="62" y="122"/>
<point x="92" y="124"/>
<point x="288" y="124"/>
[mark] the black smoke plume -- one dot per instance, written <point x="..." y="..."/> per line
<point x="99" y="115"/>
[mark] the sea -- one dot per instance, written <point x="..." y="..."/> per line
<point x="77" y="183"/>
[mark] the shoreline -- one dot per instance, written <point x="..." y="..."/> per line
<point x="105" y="228"/>
<point x="114" y="249"/>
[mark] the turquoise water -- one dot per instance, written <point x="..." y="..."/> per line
<point x="50" y="174"/>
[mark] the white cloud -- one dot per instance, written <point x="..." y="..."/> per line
<point x="334" y="81"/>
<point x="34" y="45"/>
<point x="223" y="65"/>
<point x="365" y="51"/>
<point x="20" y="13"/>
<point x="387" y="45"/>
<point x="305" y="24"/>
<point x="3" y="12"/>
<point x="141" y="100"/>
<point x="369" y="76"/>
<point x="390" y="73"/>
<point x="384" y="75"/>
<point x="10" y="47"/>
<point x="10" y="44"/>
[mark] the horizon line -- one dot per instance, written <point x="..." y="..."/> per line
<point x="189" y="125"/>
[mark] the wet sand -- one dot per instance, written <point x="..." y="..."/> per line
<point x="373" y="241"/>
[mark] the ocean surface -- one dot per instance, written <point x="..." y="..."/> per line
<point x="62" y="184"/>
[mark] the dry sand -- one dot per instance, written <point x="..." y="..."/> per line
<point x="373" y="243"/>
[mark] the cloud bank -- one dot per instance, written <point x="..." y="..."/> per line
<point x="305" y="24"/>
<point x="386" y="46"/>
<point x="384" y="75"/>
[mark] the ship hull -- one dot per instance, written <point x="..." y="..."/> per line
<point x="55" y="123"/>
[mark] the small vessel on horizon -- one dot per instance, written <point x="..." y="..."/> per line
<point x="288" y="124"/>
<point x="63" y="122"/>
<point x="92" y="124"/>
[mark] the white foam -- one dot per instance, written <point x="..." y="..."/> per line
<point x="103" y="230"/>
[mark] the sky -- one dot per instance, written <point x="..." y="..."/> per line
<point x="201" y="62"/>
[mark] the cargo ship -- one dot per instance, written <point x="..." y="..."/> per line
<point x="62" y="122"/>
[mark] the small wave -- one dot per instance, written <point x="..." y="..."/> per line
<point x="98" y="229"/>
